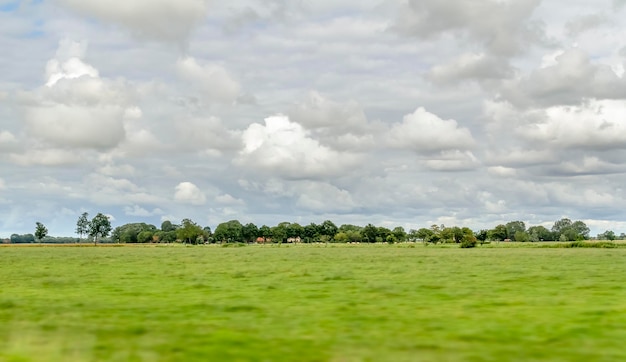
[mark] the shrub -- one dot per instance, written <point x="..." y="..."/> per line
<point x="468" y="242"/>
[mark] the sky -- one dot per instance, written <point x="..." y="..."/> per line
<point x="397" y="113"/>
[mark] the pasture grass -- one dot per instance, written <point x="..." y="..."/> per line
<point x="312" y="303"/>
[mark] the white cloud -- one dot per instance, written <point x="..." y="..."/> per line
<point x="501" y="26"/>
<point x="596" y="125"/>
<point x="213" y="81"/>
<point x="342" y="126"/>
<point x="7" y="140"/>
<point x="188" y="193"/>
<point x="324" y="197"/>
<point x="47" y="157"/>
<point x="571" y="80"/>
<point x="454" y="160"/>
<point x="77" y="108"/>
<point x="285" y="148"/>
<point x="227" y="199"/>
<point x="139" y="211"/>
<point x="206" y="133"/>
<point x="164" y="20"/>
<point x="470" y="67"/>
<point x="67" y="125"/>
<point x="501" y="171"/>
<point x="68" y="63"/>
<point x="422" y="131"/>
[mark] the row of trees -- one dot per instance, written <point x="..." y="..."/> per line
<point x="234" y="231"/>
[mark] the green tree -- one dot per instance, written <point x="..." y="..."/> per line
<point x="369" y="232"/>
<point x="99" y="227"/>
<point x="145" y="236"/>
<point x="82" y="225"/>
<point x="341" y="237"/>
<point x="570" y="230"/>
<point x="425" y="234"/>
<point x="498" y="233"/>
<point x="189" y="231"/>
<point x="279" y="232"/>
<point x="168" y="226"/>
<point x="607" y="235"/>
<point x="513" y="227"/>
<point x="521" y="236"/>
<point x="129" y="233"/>
<point x="295" y="231"/>
<point x="400" y="234"/>
<point x="540" y="233"/>
<point x="229" y="232"/>
<point x="382" y="234"/>
<point x="265" y="232"/>
<point x="311" y="232"/>
<point x="40" y="231"/>
<point x="329" y="229"/>
<point x="581" y="229"/>
<point x="481" y="235"/>
<point x="560" y="226"/>
<point x="250" y="232"/>
<point x="354" y="236"/>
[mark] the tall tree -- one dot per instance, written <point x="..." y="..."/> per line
<point x="230" y="232"/>
<point x="168" y="226"/>
<point x="189" y="231"/>
<point x="100" y="226"/>
<point x="540" y="233"/>
<point x="82" y="225"/>
<point x="399" y="233"/>
<point x="369" y="233"/>
<point x="513" y="227"/>
<point x="250" y="232"/>
<point x="40" y="231"/>
<point x="498" y="233"/>
<point x="329" y="229"/>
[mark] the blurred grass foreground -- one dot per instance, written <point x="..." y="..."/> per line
<point x="312" y="303"/>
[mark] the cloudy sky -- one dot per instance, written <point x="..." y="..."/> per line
<point x="396" y="112"/>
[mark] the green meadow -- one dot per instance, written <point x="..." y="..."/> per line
<point x="312" y="303"/>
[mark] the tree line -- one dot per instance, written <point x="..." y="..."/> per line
<point x="234" y="231"/>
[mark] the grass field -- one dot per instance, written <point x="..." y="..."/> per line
<point x="312" y="303"/>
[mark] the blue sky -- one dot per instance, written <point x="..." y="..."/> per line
<point x="399" y="113"/>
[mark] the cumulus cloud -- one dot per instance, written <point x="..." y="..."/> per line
<point x="46" y="157"/>
<point x="422" y="131"/>
<point x="188" y="193"/>
<point x="572" y="79"/>
<point x="501" y="171"/>
<point x="317" y="111"/>
<point x="68" y="63"/>
<point x="599" y="125"/>
<point x="211" y="80"/>
<point x="66" y="125"/>
<point x="7" y="140"/>
<point x="139" y="211"/>
<point x="500" y="26"/>
<point x="584" y="23"/>
<point x="227" y="199"/>
<point x="452" y="160"/>
<point x="342" y="126"/>
<point x="76" y="108"/>
<point x="207" y="133"/>
<point x="470" y="66"/>
<point x="324" y="197"/>
<point x="284" y="147"/>
<point x="162" y="20"/>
